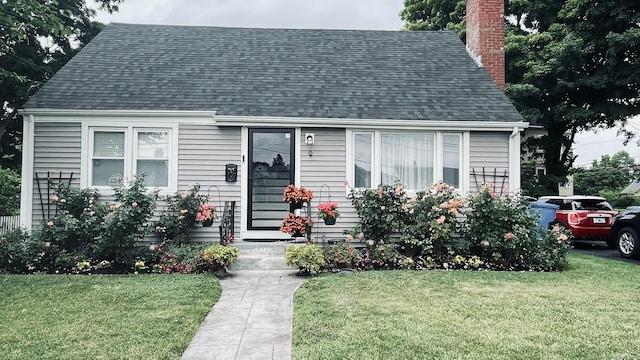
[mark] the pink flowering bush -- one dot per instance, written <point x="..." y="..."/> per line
<point x="181" y="214"/>
<point x="439" y="229"/>
<point x="501" y="230"/>
<point x="86" y="229"/>
<point x="380" y="210"/>
<point x="342" y="256"/>
<point x="432" y="220"/>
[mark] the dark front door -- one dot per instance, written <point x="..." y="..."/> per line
<point x="271" y="169"/>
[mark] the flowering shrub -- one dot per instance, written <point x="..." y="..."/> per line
<point x="169" y="258"/>
<point x="126" y="224"/>
<point x="181" y="215"/>
<point x="380" y="211"/>
<point x="502" y="231"/>
<point x="292" y="194"/>
<point x="342" y="256"/>
<point x="308" y="258"/>
<point x="295" y="225"/>
<point x="432" y="220"/>
<point x="77" y="225"/>
<point x="328" y="209"/>
<point x="383" y="256"/>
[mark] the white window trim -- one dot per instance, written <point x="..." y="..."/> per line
<point x="438" y="156"/>
<point x="130" y="131"/>
<point x="460" y="157"/>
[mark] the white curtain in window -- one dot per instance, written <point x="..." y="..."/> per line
<point x="407" y="158"/>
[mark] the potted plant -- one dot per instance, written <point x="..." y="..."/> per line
<point x="206" y="214"/>
<point x="328" y="212"/>
<point x="217" y="257"/>
<point x="296" y="196"/>
<point x="296" y="226"/>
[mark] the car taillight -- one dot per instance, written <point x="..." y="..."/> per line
<point x="574" y="219"/>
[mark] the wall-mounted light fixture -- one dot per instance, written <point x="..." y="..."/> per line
<point x="310" y="139"/>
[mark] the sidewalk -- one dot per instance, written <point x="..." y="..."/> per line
<point x="252" y="320"/>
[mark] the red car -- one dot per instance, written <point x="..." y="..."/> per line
<point x="588" y="217"/>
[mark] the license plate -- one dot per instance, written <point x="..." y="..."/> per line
<point x="599" y="220"/>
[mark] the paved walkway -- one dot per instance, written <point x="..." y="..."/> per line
<point x="252" y="320"/>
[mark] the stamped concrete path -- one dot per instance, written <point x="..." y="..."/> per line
<point x="252" y="320"/>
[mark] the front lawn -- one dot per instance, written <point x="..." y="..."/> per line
<point x="102" y="316"/>
<point x="589" y="311"/>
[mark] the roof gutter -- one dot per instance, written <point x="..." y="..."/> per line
<point x="453" y="125"/>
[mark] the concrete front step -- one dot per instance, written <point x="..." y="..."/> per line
<point x="260" y="256"/>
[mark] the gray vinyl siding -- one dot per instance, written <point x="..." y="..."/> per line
<point x="489" y="151"/>
<point x="57" y="149"/>
<point x="203" y="151"/>
<point x="327" y="166"/>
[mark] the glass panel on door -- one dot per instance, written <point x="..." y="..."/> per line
<point x="270" y="171"/>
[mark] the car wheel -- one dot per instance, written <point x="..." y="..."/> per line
<point x="628" y="243"/>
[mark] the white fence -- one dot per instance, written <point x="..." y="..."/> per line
<point x="8" y="223"/>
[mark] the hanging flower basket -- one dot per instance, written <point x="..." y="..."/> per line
<point x="296" y="205"/>
<point x="328" y="211"/>
<point x="330" y="220"/>
<point x="206" y="214"/>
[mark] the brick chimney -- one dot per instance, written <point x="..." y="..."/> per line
<point x="485" y="36"/>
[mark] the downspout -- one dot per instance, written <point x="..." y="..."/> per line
<point x="26" y="190"/>
<point x="514" y="160"/>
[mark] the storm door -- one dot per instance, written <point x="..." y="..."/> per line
<point x="271" y="169"/>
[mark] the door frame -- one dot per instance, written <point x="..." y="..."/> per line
<point x="245" y="233"/>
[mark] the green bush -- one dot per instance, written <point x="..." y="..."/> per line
<point x="384" y="257"/>
<point x="432" y="221"/>
<point x="126" y="224"/>
<point x="380" y="211"/>
<point x="506" y="236"/>
<point x="180" y="215"/>
<point x="87" y="229"/>
<point x="437" y="230"/>
<point x="177" y="258"/>
<point x="18" y="252"/>
<point x="9" y="192"/>
<point x="342" y="256"/>
<point x="308" y="258"/>
<point x="217" y="256"/>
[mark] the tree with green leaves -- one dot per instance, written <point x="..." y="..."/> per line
<point x="571" y="65"/>
<point x="37" y="37"/>
<point x="611" y="173"/>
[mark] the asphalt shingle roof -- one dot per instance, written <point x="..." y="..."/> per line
<point x="278" y="72"/>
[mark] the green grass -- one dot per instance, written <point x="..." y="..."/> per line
<point x="590" y="311"/>
<point x="102" y="316"/>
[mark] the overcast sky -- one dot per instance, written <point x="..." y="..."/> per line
<point x="319" y="14"/>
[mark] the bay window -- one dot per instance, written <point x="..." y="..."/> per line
<point x="120" y="153"/>
<point x="416" y="159"/>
